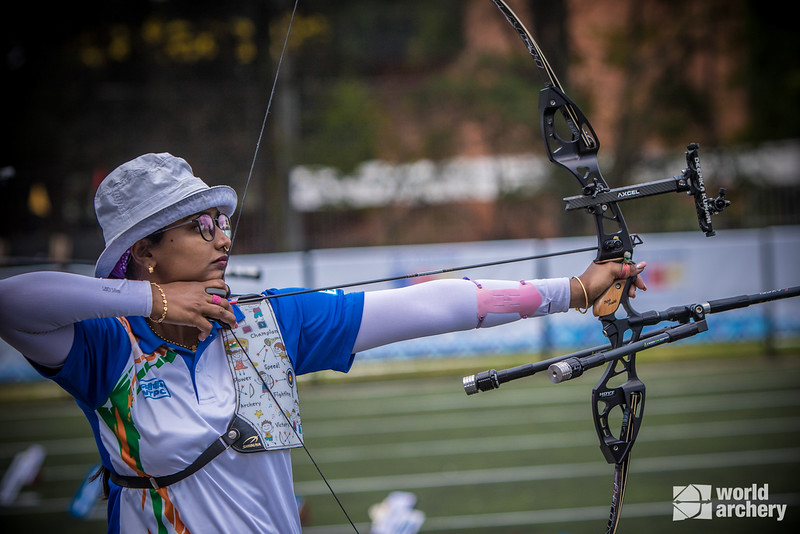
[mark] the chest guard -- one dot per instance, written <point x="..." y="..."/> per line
<point x="267" y="408"/>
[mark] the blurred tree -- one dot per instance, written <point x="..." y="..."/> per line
<point x="93" y="84"/>
<point x="771" y="72"/>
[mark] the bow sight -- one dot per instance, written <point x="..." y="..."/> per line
<point x="596" y="197"/>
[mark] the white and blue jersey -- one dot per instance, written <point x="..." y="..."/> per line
<point x="155" y="407"/>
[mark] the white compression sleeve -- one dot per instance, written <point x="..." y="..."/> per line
<point x="37" y="310"/>
<point x="442" y="306"/>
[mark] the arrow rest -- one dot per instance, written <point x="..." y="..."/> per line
<point x="233" y="240"/>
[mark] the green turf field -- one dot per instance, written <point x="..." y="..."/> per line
<point x="521" y="459"/>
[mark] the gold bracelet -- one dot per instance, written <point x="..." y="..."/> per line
<point x="585" y="297"/>
<point x="163" y="301"/>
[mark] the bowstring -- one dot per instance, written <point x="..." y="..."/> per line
<point x="263" y="124"/>
<point x="233" y="239"/>
<point x="294" y="429"/>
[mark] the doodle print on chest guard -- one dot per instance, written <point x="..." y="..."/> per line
<point x="264" y="383"/>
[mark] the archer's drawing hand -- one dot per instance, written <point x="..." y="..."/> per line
<point x="599" y="277"/>
<point x="188" y="304"/>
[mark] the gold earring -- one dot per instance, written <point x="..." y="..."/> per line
<point x="150" y="269"/>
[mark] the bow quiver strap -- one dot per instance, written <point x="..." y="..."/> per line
<point x="219" y="445"/>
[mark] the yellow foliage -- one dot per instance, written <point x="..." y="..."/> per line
<point x="39" y="200"/>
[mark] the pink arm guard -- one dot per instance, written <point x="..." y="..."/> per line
<point x="524" y="300"/>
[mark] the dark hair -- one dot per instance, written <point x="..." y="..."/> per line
<point x="103" y="474"/>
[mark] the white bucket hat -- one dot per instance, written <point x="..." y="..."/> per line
<point x="145" y="195"/>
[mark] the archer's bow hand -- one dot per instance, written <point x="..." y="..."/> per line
<point x="598" y="278"/>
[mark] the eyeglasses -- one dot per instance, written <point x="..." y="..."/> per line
<point x="207" y="225"/>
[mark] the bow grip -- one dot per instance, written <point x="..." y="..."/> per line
<point x="609" y="301"/>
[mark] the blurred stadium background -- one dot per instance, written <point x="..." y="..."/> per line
<point x="415" y="123"/>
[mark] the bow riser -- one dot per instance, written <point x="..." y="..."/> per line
<point x="629" y="399"/>
<point x="578" y="155"/>
<point x="629" y="396"/>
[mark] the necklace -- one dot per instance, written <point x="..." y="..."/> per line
<point x="192" y="348"/>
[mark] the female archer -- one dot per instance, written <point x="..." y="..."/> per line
<point x="159" y="361"/>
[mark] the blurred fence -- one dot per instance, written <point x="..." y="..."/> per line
<point x="683" y="268"/>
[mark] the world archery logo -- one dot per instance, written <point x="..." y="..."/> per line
<point x="694" y="502"/>
<point x="691" y="502"/>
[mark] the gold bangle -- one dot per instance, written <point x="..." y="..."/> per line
<point x="585" y="297"/>
<point x="163" y="301"/>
